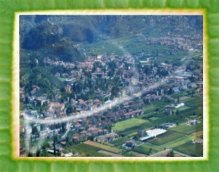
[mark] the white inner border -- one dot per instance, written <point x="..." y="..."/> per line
<point x="16" y="88"/>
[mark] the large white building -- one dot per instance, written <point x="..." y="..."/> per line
<point x="153" y="133"/>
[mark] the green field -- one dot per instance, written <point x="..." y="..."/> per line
<point x="122" y="45"/>
<point x="84" y="150"/>
<point x="129" y="123"/>
<point x="166" y="137"/>
<point x="154" y="118"/>
<point x="194" y="102"/>
<point x="133" y="130"/>
<point x="103" y="47"/>
<point x="183" y="108"/>
<point x="191" y="149"/>
<point x="120" y="141"/>
<point x="101" y="146"/>
<point x="187" y="129"/>
<point x="179" y="141"/>
<point x="149" y="108"/>
<point x="146" y="149"/>
<point x="91" y="149"/>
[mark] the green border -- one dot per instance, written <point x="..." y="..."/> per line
<point x="8" y="8"/>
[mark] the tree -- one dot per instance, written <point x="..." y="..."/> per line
<point x="35" y="131"/>
<point x="38" y="153"/>
<point x="170" y="153"/>
<point x="178" y="99"/>
<point x="29" y="154"/>
<point x="114" y="91"/>
<point x="54" y="143"/>
<point x="149" y="151"/>
<point x="69" y="109"/>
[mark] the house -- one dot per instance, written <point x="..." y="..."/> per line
<point x="107" y="138"/>
<point x="179" y="105"/>
<point x="133" y="113"/>
<point x="199" y="141"/>
<point x="192" y="122"/>
<point x="70" y="154"/>
<point x="94" y="131"/>
<point x="168" y="125"/>
<point x="175" y="89"/>
<point x="55" y="107"/>
<point x="129" y="144"/>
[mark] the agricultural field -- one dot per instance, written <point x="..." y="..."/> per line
<point x="192" y="149"/>
<point x="133" y="122"/>
<point x="133" y="130"/>
<point x="149" y="108"/>
<point x="147" y="149"/>
<point x="120" y="141"/>
<point x="110" y="154"/>
<point x="103" y="47"/>
<point x="93" y="149"/>
<point x="184" y="108"/>
<point x="101" y="146"/>
<point x="154" y="118"/>
<point x="186" y="129"/>
<point x="136" y="154"/>
<point x="84" y="150"/>
<point x="166" y="137"/>
<point x="178" y="141"/>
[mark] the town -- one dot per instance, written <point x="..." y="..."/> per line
<point x="97" y="81"/>
<point x="118" y="105"/>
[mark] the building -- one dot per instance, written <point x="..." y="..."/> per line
<point x="179" y="105"/>
<point x="168" y="125"/>
<point x="153" y="133"/>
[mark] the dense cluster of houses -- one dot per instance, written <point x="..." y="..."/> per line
<point x="130" y="80"/>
